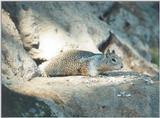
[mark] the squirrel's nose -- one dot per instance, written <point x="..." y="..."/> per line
<point x="121" y="66"/>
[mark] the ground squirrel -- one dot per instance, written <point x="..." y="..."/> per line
<point x="78" y="62"/>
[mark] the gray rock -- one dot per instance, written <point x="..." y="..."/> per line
<point x="15" y="59"/>
<point x="30" y="33"/>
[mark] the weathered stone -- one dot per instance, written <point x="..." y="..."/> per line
<point x="15" y="60"/>
<point x="30" y="33"/>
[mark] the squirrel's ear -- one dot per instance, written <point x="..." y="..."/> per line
<point x="108" y="51"/>
<point x="106" y="54"/>
<point x="113" y="51"/>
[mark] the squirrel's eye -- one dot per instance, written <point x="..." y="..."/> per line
<point x="113" y="60"/>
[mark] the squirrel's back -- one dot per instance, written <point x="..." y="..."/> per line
<point x="78" y="62"/>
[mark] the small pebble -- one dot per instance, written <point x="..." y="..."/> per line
<point x="119" y="95"/>
<point x="128" y="95"/>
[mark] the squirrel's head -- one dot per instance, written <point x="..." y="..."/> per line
<point x="112" y="61"/>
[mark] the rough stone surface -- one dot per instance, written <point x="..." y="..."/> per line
<point x="15" y="61"/>
<point x="31" y="35"/>
<point x="125" y="94"/>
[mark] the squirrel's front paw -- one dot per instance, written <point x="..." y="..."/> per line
<point x="44" y="74"/>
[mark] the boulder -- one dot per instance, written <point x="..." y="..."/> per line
<point x="32" y="35"/>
